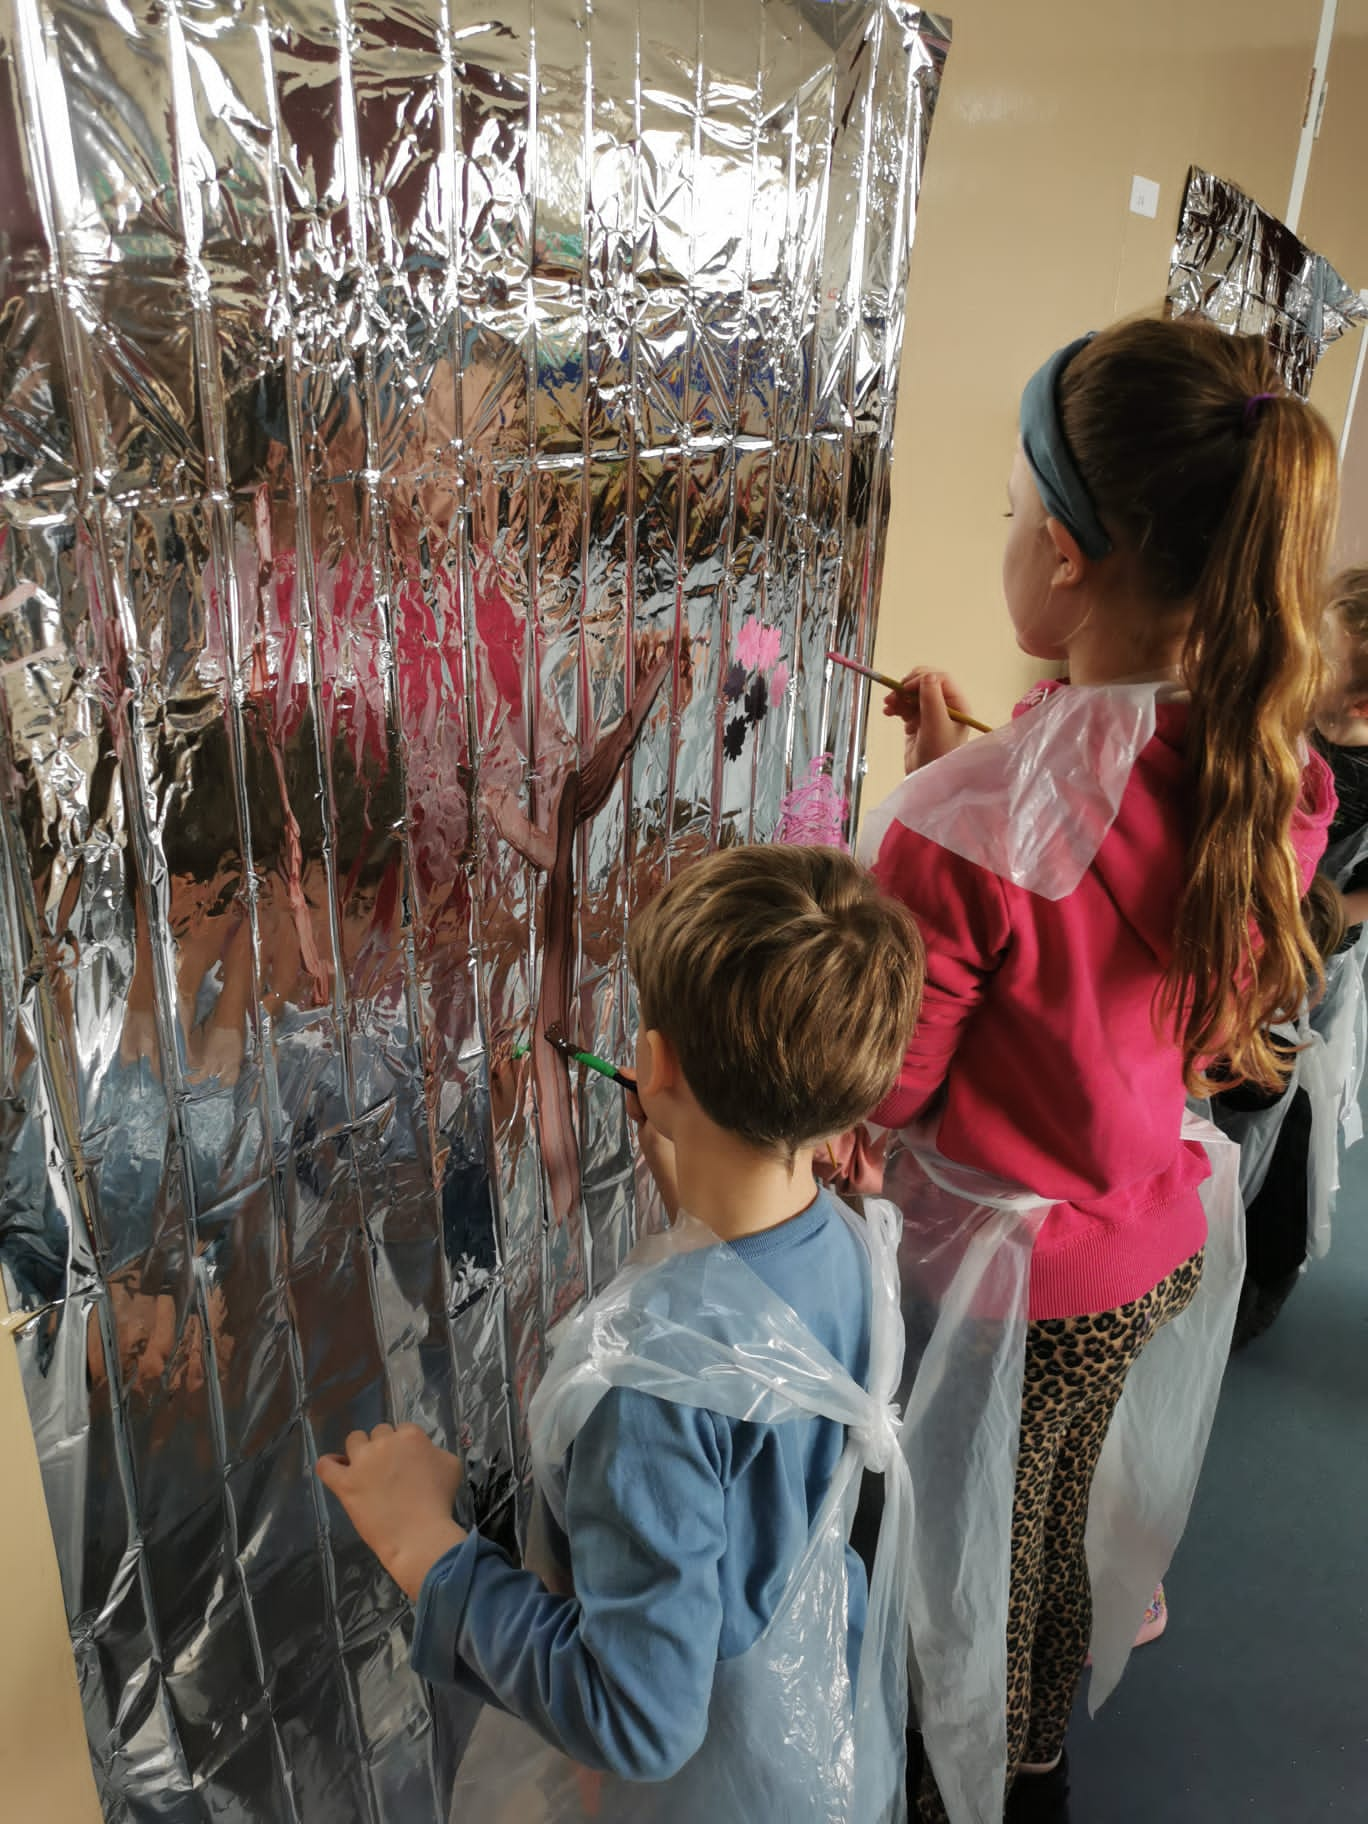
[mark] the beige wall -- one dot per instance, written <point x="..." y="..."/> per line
<point x="1026" y="239"/>
<point x="1334" y="217"/>
<point x="45" y="1775"/>
<point x="1352" y="544"/>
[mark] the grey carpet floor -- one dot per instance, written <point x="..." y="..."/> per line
<point x="1253" y="1708"/>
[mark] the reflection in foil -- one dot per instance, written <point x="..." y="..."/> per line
<point x="1245" y="270"/>
<point x="422" y="440"/>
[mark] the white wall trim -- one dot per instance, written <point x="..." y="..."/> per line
<point x="1314" y="102"/>
<point x="1359" y="366"/>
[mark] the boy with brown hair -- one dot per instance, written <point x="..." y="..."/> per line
<point x="777" y="990"/>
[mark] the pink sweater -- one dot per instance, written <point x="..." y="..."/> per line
<point x="1037" y="1032"/>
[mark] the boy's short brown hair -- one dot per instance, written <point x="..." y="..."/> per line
<point x="788" y="985"/>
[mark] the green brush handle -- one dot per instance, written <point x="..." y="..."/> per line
<point x="588" y="1059"/>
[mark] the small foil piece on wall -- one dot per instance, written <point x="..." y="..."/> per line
<point x="1242" y="268"/>
<point x="437" y="454"/>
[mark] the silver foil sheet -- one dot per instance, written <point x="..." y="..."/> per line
<point x="1243" y="269"/>
<point x="436" y="455"/>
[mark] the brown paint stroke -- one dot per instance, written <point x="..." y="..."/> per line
<point x="578" y="797"/>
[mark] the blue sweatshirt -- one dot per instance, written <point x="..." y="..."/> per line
<point x="683" y="1527"/>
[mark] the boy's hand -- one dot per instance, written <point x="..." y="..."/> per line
<point x="659" y="1154"/>
<point x="398" y="1489"/>
<point x="921" y="705"/>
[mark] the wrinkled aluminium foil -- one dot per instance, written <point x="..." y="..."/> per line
<point x="437" y="453"/>
<point x="1245" y="270"/>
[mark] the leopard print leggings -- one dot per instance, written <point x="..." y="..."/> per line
<point x="1075" y="1370"/>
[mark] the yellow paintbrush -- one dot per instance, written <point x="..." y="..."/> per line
<point x="882" y="677"/>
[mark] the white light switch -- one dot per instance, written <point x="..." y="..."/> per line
<point x="1144" y="196"/>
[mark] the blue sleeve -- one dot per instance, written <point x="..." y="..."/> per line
<point x="618" y="1676"/>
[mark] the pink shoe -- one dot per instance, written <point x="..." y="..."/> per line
<point x="1156" y="1619"/>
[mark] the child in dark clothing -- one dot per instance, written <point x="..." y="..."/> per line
<point x="1288" y="1206"/>
<point x="1342" y="736"/>
<point x="1281" y="1189"/>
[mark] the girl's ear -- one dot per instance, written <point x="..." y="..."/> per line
<point x="1070" y="565"/>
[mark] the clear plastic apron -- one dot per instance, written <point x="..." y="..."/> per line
<point x="1339" y="1027"/>
<point x="785" y="1742"/>
<point x="965" y="1260"/>
<point x="1147" y="1475"/>
<point x="1255" y="1131"/>
<point x="1332" y="1041"/>
<point x="1033" y="801"/>
<point x="1340" y="1017"/>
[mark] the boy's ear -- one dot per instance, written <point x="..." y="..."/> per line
<point x="657" y="1064"/>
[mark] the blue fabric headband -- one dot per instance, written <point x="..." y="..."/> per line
<point x="1046" y="448"/>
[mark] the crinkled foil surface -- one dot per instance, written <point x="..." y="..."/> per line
<point x="1247" y="271"/>
<point x="437" y="453"/>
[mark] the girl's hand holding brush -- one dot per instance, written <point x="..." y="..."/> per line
<point x="930" y="709"/>
<point x="934" y="718"/>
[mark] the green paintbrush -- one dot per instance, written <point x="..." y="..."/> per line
<point x="557" y="1038"/>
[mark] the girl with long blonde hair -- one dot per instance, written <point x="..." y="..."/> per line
<point x="1110" y="892"/>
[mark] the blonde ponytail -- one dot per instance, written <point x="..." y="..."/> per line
<point x="1253" y="666"/>
<point x="1224" y="487"/>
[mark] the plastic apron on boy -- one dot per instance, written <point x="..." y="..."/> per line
<point x="784" y="1740"/>
<point x="1032" y="802"/>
